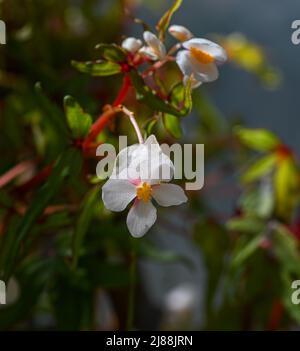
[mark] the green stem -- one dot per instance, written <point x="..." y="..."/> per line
<point x="131" y="295"/>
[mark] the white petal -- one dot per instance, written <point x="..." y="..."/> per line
<point x="206" y="73"/>
<point x="190" y="66"/>
<point x="116" y="194"/>
<point x="151" y="140"/>
<point x="157" y="166"/>
<point x="149" y="53"/>
<point x="145" y="162"/>
<point x="207" y="46"/>
<point x="183" y="59"/>
<point x="155" y="44"/>
<point x="132" y="44"/>
<point x="122" y="161"/>
<point x="168" y="195"/>
<point x="181" y="33"/>
<point x="141" y="218"/>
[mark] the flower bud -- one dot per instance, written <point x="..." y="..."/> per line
<point x="132" y="44"/>
<point x="180" y="33"/>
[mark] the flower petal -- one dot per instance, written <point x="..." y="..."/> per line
<point x="151" y="140"/>
<point x="116" y="194"/>
<point x="141" y="218"/>
<point x="169" y="195"/>
<point x="183" y="59"/>
<point x="200" y="72"/>
<point x="155" y="44"/>
<point x="181" y="33"/>
<point x="144" y="162"/>
<point x="206" y="73"/>
<point x="124" y="159"/>
<point x="149" y="53"/>
<point x="207" y="46"/>
<point x="157" y="166"/>
<point x="132" y="44"/>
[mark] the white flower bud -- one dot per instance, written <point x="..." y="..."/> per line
<point x="180" y="33"/>
<point x="132" y="44"/>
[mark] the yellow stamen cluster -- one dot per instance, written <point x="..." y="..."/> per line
<point x="144" y="192"/>
<point x="201" y="56"/>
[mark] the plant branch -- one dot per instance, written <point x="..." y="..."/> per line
<point x="100" y="123"/>
<point x="134" y="123"/>
<point x="123" y="91"/>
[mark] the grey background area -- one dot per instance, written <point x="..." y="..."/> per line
<point x="266" y="22"/>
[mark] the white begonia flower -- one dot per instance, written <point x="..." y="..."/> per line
<point x="155" y="49"/>
<point x="143" y="161"/>
<point x="200" y="59"/>
<point x="181" y="33"/>
<point x="132" y="44"/>
<point x="119" y="191"/>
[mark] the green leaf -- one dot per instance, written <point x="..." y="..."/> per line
<point x="260" y="168"/>
<point x="259" y="202"/>
<point x="165" y="20"/>
<point x="67" y="164"/>
<point x="79" y="121"/>
<point x="149" y="97"/>
<point x="172" y="125"/>
<point x="146" y="95"/>
<point x="149" y="125"/>
<point x="97" y="68"/>
<point x="181" y="97"/>
<point x="246" y="225"/>
<point x="85" y="217"/>
<point x="112" y="52"/>
<point x="245" y="250"/>
<point x="52" y="113"/>
<point x="257" y="139"/>
<point x="286" y="249"/>
<point x="286" y="182"/>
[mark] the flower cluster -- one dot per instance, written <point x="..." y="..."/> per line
<point x="142" y="172"/>
<point x="197" y="58"/>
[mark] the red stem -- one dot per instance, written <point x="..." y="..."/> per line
<point x="103" y="119"/>
<point x="156" y="66"/>
<point x="276" y="315"/>
<point x="99" y="125"/>
<point x="123" y="91"/>
<point x="36" y="180"/>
